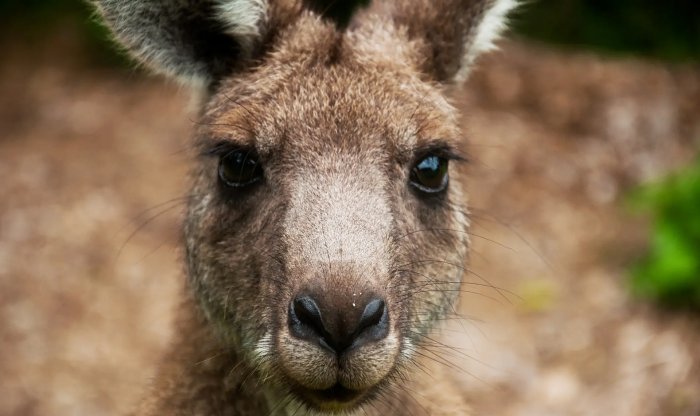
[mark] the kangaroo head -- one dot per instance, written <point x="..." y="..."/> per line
<point x="326" y="233"/>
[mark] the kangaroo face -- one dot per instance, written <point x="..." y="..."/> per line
<point x="324" y="233"/>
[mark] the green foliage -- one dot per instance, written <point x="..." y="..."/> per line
<point x="670" y="272"/>
<point x="31" y="22"/>
<point x="667" y="30"/>
<point x="37" y="15"/>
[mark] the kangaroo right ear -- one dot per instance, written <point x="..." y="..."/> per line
<point x="195" y="41"/>
<point x="447" y="34"/>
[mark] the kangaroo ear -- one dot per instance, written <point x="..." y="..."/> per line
<point x="450" y="34"/>
<point x="195" y="41"/>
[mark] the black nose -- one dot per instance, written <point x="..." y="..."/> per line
<point x="338" y="325"/>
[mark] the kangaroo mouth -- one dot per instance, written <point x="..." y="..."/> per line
<point x="337" y="393"/>
<point x="337" y="397"/>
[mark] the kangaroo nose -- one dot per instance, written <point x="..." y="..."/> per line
<point x="338" y="328"/>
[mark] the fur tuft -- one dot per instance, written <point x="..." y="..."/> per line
<point x="243" y="19"/>
<point x="485" y="34"/>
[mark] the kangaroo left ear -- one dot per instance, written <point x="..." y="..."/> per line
<point x="194" y="41"/>
<point x="449" y="34"/>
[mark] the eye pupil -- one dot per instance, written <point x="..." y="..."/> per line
<point x="430" y="174"/>
<point x="239" y="168"/>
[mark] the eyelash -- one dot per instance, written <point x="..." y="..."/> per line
<point x="221" y="149"/>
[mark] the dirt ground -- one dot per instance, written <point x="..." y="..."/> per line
<point x="93" y="167"/>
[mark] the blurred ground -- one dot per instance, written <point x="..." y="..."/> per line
<point x="93" y="165"/>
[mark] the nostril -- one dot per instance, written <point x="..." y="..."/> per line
<point x="308" y="313"/>
<point x="305" y="321"/>
<point x="374" y="323"/>
<point x="372" y="315"/>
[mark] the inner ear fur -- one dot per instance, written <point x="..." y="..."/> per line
<point x="450" y="34"/>
<point x="194" y="41"/>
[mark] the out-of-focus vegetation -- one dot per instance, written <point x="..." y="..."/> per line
<point x="30" y="22"/>
<point x="670" y="272"/>
<point x="668" y="30"/>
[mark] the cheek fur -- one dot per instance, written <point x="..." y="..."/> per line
<point x="433" y="246"/>
<point x="234" y="262"/>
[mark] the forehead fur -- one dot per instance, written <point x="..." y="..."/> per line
<point x="326" y="88"/>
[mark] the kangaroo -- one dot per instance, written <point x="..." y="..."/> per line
<point x="326" y="234"/>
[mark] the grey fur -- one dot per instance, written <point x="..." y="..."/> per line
<point x="185" y="39"/>
<point x="452" y="32"/>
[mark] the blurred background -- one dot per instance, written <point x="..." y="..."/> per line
<point x="585" y="193"/>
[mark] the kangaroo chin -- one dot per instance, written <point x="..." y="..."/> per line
<point x="326" y="233"/>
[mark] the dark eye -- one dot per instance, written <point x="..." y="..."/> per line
<point x="430" y="174"/>
<point x="240" y="168"/>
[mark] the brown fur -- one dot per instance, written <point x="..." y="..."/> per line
<point x="338" y="120"/>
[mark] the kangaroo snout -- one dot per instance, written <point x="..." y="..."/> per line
<point x="340" y="334"/>
<point x="336" y="324"/>
<point x="337" y="338"/>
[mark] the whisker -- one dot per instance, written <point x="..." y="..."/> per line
<point x="461" y="267"/>
<point x="141" y="226"/>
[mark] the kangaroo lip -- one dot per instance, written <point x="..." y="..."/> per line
<point x="337" y="394"/>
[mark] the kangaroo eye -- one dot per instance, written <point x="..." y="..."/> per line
<point x="239" y="168"/>
<point x="430" y="174"/>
